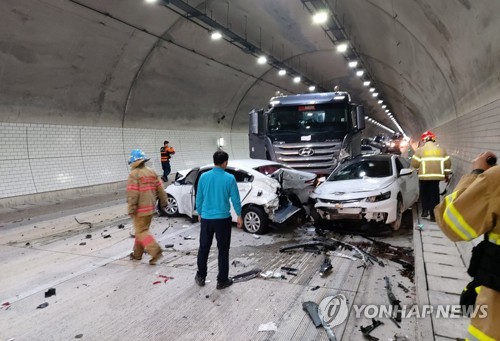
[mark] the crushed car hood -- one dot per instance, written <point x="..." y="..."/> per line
<point x="353" y="186"/>
<point x="294" y="179"/>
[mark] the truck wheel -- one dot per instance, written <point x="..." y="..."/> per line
<point x="255" y="220"/>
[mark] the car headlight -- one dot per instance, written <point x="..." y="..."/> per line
<point x="380" y="197"/>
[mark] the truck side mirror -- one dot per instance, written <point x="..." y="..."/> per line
<point x="256" y="117"/>
<point x="360" y="117"/>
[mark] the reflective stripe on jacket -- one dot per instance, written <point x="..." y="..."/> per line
<point x="166" y="153"/>
<point x="431" y="161"/>
<point x="143" y="189"/>
<point x="472" y="210"/>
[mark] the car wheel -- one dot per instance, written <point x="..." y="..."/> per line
<point x="255" y="220"/>
<point x="399" y="215"/>
<point x="172" y="208"/>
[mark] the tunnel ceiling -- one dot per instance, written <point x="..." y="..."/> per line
<point x="134" y="64"/>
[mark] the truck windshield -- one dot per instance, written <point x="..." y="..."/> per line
<point x="309" y="118"/>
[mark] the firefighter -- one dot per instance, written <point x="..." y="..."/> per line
<point x="433" y="165"/>
<point x="166" y="153"/>
<point x="471" y="211"/>
<point x="144" y="188"/>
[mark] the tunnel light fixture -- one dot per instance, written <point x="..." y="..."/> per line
<point x="312" y="88"/>
<point x="384" y="106"/>
<point x="297" y="79"/>
<point x="342" y="47"/>
<point x="320" y="17"/>
<point x="215" y="35"/>
<point x="375" y="94"/>
<point x="380" y="101"/>
<point x="372" y="89"/>
<point x="282" y="72"/>
<point x="367" y="83"/>
<point x="150" y="1"/>
<point x="262" y="60"/>
<point x="353" y="64"/>
<point x="386" y="110"/>
<point x="360" y="73"/>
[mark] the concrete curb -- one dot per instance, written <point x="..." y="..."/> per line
<point x="425" y="329"/>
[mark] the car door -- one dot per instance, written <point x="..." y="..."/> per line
<point x="409" y="183"/>
<point x="243" y="180"/>
<point x="186" y="199"/>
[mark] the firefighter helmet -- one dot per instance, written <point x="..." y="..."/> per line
<point x="136" y="155"/>
<point x="428" y="135"/>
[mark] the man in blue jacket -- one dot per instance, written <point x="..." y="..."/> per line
<point x="215" y="188"/>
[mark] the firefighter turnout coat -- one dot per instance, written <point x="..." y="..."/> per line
<point x="431" y="161"/>
<point x="143" y="189"/>
<point x="471" y="211"/>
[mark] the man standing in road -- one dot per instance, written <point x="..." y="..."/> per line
<point x="215" y="189"/>
<point x="433" y="165"/>
<point x="143" y="189"/>
<point x="166" y="153"/>
<point x="471" y="211"/>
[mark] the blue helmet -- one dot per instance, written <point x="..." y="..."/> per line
<point x="136" y="155"/>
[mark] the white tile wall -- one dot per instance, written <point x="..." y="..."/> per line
<point x="45" y="157"/>
<point x="468" y="135"/>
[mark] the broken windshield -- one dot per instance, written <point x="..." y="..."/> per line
<point x="307" y="119"/>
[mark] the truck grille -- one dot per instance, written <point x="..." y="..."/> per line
<point x="308" y="156"/>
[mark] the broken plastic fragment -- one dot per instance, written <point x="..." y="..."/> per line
<point x="121" y="226"/>
<point x="88" y="236"/>
<point x="106" y="236"/>
<point x="156" y="282"/>
<point x="82" y="243"/>
<point x="188" y="238"/>
<point x="79" y="336"/>
<point x="268" y="327"/>
<point x="168" y="246"/>
<point x="256" y="236"/>
<point x="6" y="305"/>
<point x="50" y="292"/>
<point x="43" y="305"/>
<point x="315" y="288"/>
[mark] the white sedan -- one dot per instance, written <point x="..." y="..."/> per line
<point x="372" y="188"/>
<point x="269" y="191"/>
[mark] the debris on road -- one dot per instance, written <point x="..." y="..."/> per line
<point x="268" y="327"/>
<point x="341" y="255"/>
<point x="245" y="276"/>
<point x="82" y="243"/>
<point x="256" y="236"/>
<point x="286" y="268"/>
<point x="27" y="244"/>
<point x="326" y="266"/>
<point x="164" y="278"/>
<point x="188" y="238"/>
<point x="405" y="289"/>
<point x="237" y="263"/>
<point x="315" y="288"/>
<point x="105" y="235"/>
<point x="311" y="308"/>
<point x="368" y="329"/>
<point x="399" y="337"/>
<point x="167" y="246"/>
<point x="395" y="303"/>
<point x="121" y="226"/>
<point x="50" y="292"/>
<point x="43" y="305"/>
<point x="6" y="305"/>
<point x="84" y="223"/>
<point x="78" y="336"/>
<point x="88" y="236"/>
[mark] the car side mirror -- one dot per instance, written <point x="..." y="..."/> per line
<point x="405" y="171"/>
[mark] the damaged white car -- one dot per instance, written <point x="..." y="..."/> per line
<point x="372" y="188"/>
<point x="269" y="191"/>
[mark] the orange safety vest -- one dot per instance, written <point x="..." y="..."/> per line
<point x="166" y="153"/>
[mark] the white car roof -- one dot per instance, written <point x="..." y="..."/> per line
<point x="247" y="163"/>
